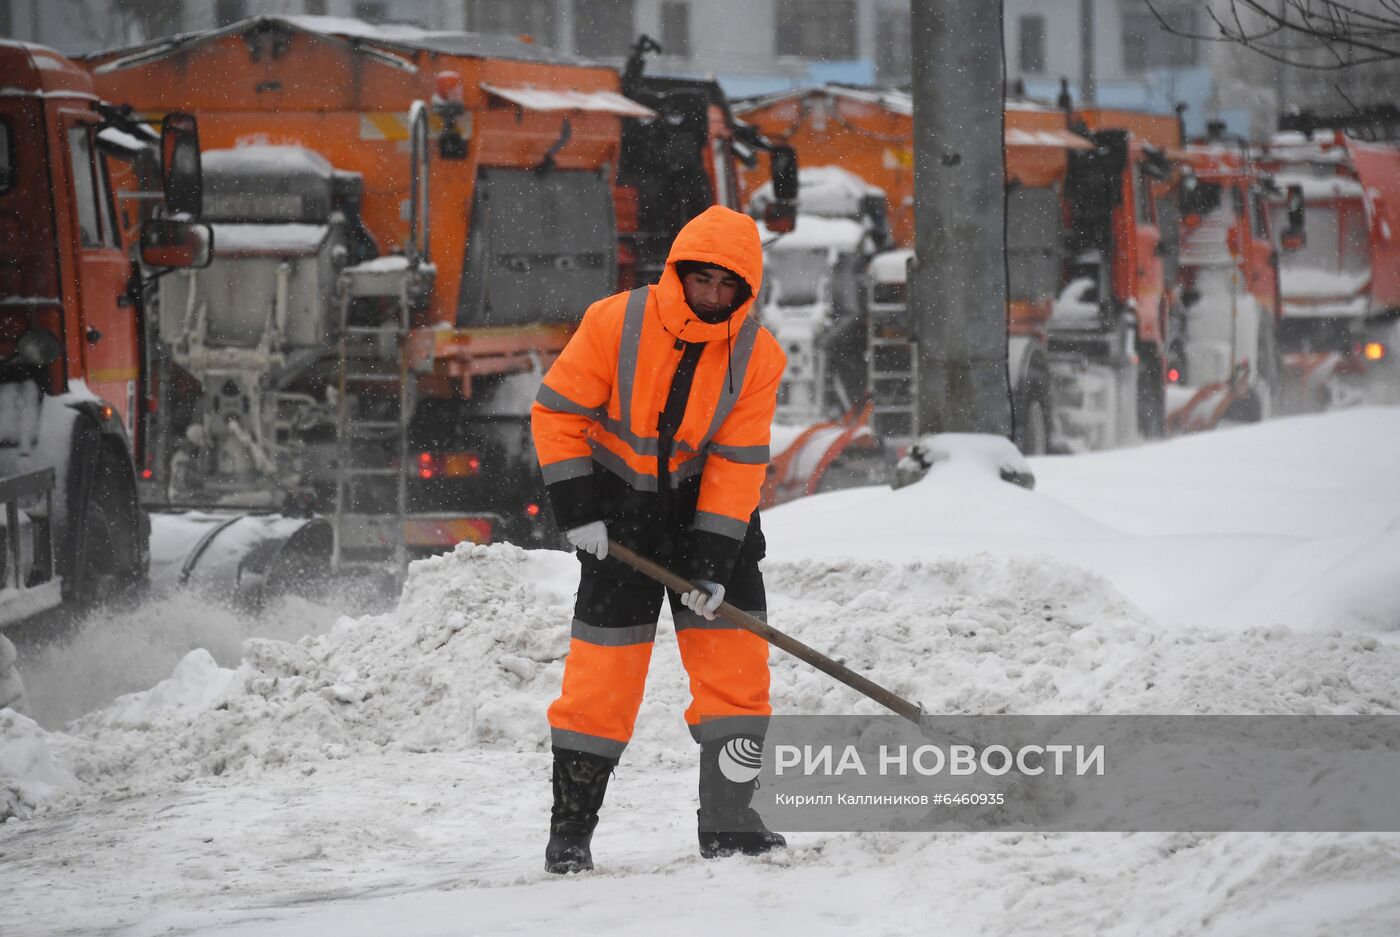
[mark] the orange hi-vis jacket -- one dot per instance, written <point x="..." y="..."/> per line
<point x="600" y="402"/>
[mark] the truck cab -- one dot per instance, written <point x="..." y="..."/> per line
<point x="1116" y="306"/>
<point x="64" y="267"/>
<point x="1229" y="277"/>
<point x="71" y="323"/>
<point x="1340" y="288"/>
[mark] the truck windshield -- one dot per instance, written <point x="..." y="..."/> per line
<point x="797" y="275"/>
<point x="1204" y="242"/>
<point x="1033" y="236"/>
<point x="1336" y="258"/>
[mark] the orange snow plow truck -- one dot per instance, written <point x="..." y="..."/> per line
<point x="408" y="226"/>
<point x="72" y="307"/>
<point x="1091" y="244"/>
<point x="1340" y="289"/>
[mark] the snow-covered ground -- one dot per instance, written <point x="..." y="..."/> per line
<point x="389" y="774"/>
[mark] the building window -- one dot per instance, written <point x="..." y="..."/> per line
<point x="533" y="18"/>
<point x="675" y="28"/>
<point x="894" y="60"/>
<point x="316" y="7"/>
<point x="1149" y="44"/>
<point x="1031" y="50"/>
<point x="819" y="29"/>
<point x="370" y="12"/>
<point x="227" y="12"/>
<point x="603" y="28"/>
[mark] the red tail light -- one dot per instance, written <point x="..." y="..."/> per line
<point x="448" y="464"/>
<point x="461" y="464"/>
<point x="448" y="86"/>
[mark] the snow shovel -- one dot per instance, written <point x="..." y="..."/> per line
<point x="773" y="636"/>
<point x="895" y="704"/>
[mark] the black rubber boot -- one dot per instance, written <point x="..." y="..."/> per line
<point x="580" y="780"/>
<point x="727" y="824"/>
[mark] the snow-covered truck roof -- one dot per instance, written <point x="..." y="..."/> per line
<point x="825" y="191"/>
<point x="362" y="34"/>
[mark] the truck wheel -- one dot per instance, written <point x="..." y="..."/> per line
<point x="1033" y="425"/>
<point x="108" y="564"/>
<point x="1151" y="397"/>
<point x="1263" y="398"/>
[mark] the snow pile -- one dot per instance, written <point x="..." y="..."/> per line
<point x="965" y="457"/>
<point x="467" y="659"/>
<point x="197" y="684"/>
<point x="28" y="776"/>
<point x="1284" y="523"/>
<point x="473" y="654"/>
<point x="1031" y="635"/>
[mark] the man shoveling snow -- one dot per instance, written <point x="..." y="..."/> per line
<point x="652" y="428"/>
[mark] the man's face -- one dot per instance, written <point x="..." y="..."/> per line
<point x="710" y="290"/>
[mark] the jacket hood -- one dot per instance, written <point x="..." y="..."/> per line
<point x="719" y="236"/>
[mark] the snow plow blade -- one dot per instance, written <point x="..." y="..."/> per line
<point x="241" y="558"/>
<point x="842" y="453"/>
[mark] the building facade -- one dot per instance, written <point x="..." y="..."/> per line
<point x="760" y="46"/>
<point x="1138" y="63"/>
<point x="753" y="46"/>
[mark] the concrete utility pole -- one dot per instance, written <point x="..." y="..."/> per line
<point x="1088" y="77"/>
<point x="957" y="282"/>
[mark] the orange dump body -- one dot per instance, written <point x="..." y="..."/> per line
<point x="871" y="134"/>
<point x="347" y="98"/>
<point x="867" y="133"/>
<point x="1160" y="130"/>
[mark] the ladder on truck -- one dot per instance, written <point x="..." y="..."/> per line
<point x="368" y="532"/>
<point x="367" y="527"/>
<point x="892" y="363"/>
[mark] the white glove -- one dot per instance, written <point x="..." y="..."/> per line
<point x="590" y="538"/>
<point x="705" y="599"/>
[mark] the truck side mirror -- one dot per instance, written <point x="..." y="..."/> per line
<point x="783" y="162"/>
<point x="780" y="215"/>
<point x="181" y="174"/>
<point x="167" y="243"/>
<point x="1295" y="236"/>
